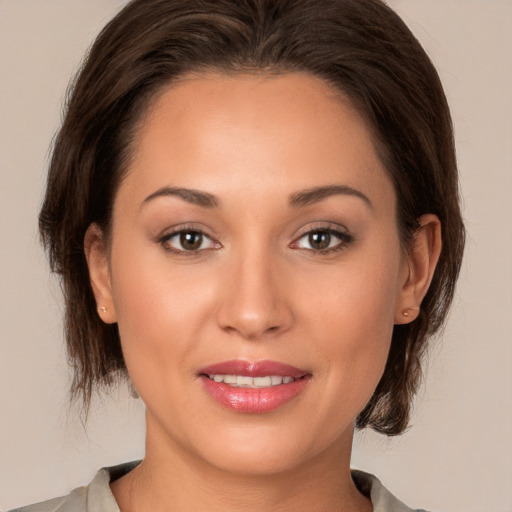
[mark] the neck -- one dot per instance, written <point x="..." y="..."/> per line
<point x="173" y="478"/>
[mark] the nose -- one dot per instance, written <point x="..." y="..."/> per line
<point x="253" y="301"/>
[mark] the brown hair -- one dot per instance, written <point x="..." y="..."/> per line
<point x="360" y="47"/>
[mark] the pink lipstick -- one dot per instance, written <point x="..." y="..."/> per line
<point x="253" y="387"/>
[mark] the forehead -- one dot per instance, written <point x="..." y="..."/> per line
<point x="289" y="131"/>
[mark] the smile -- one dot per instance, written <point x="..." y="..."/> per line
<point x="242" y="381"/>
<point x="253" y="388"/>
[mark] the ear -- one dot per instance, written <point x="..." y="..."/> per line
<point x="421" y="260"/>
<point x="99" y="272"/>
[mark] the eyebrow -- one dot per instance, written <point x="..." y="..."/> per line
<point x="317" y="194"/>
<point x="297" y="200"/>
<point x="191" y="196"/>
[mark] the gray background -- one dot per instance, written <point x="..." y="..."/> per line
<point x="457" y="456"/>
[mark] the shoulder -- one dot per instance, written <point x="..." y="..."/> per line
<point x="76" y="501"/>
<point x="382" y="499"/>
<point x="95" y="497"/>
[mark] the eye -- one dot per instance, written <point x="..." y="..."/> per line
<point x="323" y="240"/>
<point x="188" y="240"/>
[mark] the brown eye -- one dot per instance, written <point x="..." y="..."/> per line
<point x="319" y="240"/>
<point x="323" y="240"/>
<point x="191" y="240"/>
<point x="188" y="241"/>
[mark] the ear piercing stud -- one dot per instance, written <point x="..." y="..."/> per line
<point x="405" y="312"/>
<point x="103" y="309"/>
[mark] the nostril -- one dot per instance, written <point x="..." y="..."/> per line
<point x="253" y="312"/>
<point x="251" y="333"/>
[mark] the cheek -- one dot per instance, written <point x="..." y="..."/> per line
<point x="358" y="296"/>
<point x="158" y="307"/>
<point x="351" y="321"/>
<point x="357" y="338"/>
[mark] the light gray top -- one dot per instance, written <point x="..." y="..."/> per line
<point x="97" y="497"/>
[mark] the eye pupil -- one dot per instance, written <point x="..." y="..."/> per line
<point x="320" y="239"/>
<point x="191" y="240"/>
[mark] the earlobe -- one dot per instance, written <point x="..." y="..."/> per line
<point x="422" y="257"/>
<point x="99" y="272"/>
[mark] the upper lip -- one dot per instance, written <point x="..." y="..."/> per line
<point x="253" y="369"/>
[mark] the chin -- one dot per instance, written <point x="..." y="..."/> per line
<point x="261" y="462"/>
<point x="267" y="450"/>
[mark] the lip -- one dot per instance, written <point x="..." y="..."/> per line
<point x="250" y="400"/>
<point x="253" y="369"/>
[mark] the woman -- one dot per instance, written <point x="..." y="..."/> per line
<point x="254" y="210"/>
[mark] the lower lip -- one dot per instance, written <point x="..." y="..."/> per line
<point x="254" y="400"/>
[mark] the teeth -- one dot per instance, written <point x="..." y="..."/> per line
<point x="241" y="381"/>
<point x="230" y="379"/>
<point x="262" y="382"/>
<point x="244" y="382"/>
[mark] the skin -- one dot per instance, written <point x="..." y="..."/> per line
<point x="255" y="290"/>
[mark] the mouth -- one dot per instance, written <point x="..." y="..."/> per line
<point x="242" y="381"/>
<point x="252" y="388"/>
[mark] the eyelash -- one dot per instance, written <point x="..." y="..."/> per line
<point x="344" y="237"/>
<point x="165" y="240"/>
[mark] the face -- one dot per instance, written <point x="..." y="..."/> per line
<point x="255" y="269"/>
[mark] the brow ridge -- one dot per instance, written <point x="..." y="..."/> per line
<point x="317" y="194"/>
<point x="203" y="199"/>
